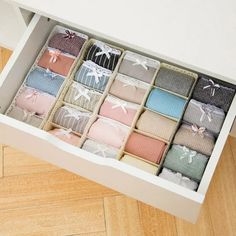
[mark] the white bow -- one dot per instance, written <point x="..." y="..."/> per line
<point x="188" y="152"/>
<point x="32" y="95"/>
<point x="62" y="132"/>
<point x="104" y="50"/>
<point x="76" y="114"/>
<point x="50" y="74"/>
<point x="200" y="131"/>
<point x="101" y="149"/>
<point x="54" y="53"/>
<point x="141" y="63"/>
<point x="27" y="115"/>
<point x="120" y="104"/>
<point x="81" y="92"/>
<point x="130" y="83"/>
<point x="212" y="86"/>
<point x="96" y="74"/>
<point x="206" y="112"/>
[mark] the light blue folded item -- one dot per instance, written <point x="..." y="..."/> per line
<point x="93" y="76"/>
<point x="45" y="81"/>
<point x="165" y="103"/>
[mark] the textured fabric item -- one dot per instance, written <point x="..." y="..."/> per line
<point x="139" y="67"/>
<point x="130" y="160"/>
<point x="206" y="115"/>
<point x="166" y="103"/>
<point x="63" y="42"/>
<point x="145" y="147"/>
<point x="93" y="76"/>
<point x="71" y="118"/>
<point x="35" y="101"/>
<point x="155" y="124"/>
<point x="170" y="78"/>
<point x="56" y="61"/>
<point x="45" y="81"/>
<point x="24" y="116"/>
<point x="195" y="138"/>
<point x="119" y="110"/>
<point x="178" y="178"/>
<point x="100" y="149"/>
<point x="81" y="96"/>
<point x="103" y="55"/>
<point x="109" y="132"/>
<point x="186" y="161"/>
<point x="128" y="89"/>
<point x="65" y="136"/>
<point x="207" y="91"/>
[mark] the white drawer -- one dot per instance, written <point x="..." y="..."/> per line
<point x="133" y="182"/>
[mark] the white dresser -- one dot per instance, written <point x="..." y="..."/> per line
<point x="199" y="35"/>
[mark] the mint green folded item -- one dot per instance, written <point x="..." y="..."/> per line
<point x="186" y="161"/>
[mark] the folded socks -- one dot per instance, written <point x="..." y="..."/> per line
<point x="119" y="110"/>
<point x="145" y="147"/>
<point x="103" y="55"/>
<point x="166" y="103"/>
<point x="45" y="81"/>
<point x="157" y="125"/>
<point x="195" y="138"/>
<point x="128" y="89"/>
<point x="93" y="76"/>
<point x="210" y="92"/>
<point x="186" y="161"/>
<point x="205" y="115"/>
<point x="175" y="79"/>
<point x="71" y="118"/>
<point x="81" y="96"/>
<point x="56" y="61"/>
<point x="139" y="67"/>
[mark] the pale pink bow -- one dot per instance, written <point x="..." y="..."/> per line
<point x="199" y="131"/>
<point x="54" y="55"/>
<point x="32" y="95"/>
<point x="212" y="86"/>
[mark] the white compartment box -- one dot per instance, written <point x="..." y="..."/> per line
<point x="133" y="182"/>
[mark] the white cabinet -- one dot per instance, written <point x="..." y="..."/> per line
<point x="138" y="184"/>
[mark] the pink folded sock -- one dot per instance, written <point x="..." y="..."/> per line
<point x="36" y="101"/>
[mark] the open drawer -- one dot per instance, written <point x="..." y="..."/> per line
<point x="131" y="181"/>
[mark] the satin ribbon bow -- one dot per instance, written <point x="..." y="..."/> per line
<point x="105" y="50"/>
<point x="96" y="74"/>
<point x="50" y="74"/>
<point x="62" y="132"/>
<point x="27" y="115"/>
<point x="32" y="95"/>
<point x="69" y="34"/>
<point x="141" y="63"/>
<point x="189" y="153"/>
<point x="81" y="92"/>
<point x="54" y="55"/>
<point x="200" y="131"/>
<point x="101" y="150"/>
<point x="122" y="105"/>
<point x="76" y="114"/>
<point x="212" y="86"/>
<point x="206" y="112"/>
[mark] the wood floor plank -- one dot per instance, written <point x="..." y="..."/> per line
<point x="122" y="216"/>
<point x="232" y="142"/>
<point x="4" y="57"/>
<point x="41" y="188"/>
<point x="18" y="163"/>
<point x="203" y="227"/>
<point x="91" y="234"/>
<point x="64" y="218"/>
<point x="1" y="160"/>
<point x="221" y="195"/>
<point x="156" y="222"/>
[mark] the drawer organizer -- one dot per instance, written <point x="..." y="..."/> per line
<point x="141" y="125"/>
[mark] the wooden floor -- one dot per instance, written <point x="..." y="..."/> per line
<point x="38" y="199"/>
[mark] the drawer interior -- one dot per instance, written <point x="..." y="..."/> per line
<point x="15" y="73"/>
